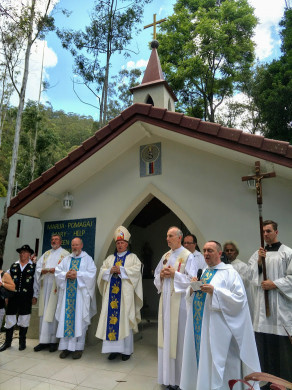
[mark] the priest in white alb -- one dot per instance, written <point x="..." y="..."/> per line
<point x="272" y="332"/>
<point x="76" y="279"/>
<point x="174" y="271"/>
<point x="48" y="294"/>
<point x="120" y="284"/>
<point x="219" y="338"/>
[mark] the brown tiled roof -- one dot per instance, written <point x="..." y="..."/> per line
<point x="278" y="152"/>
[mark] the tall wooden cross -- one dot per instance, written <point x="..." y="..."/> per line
<point x="258" y="177"/>
<point x="154" y="24"/>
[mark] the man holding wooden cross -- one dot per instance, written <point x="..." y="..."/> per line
<point x="273" y="331"/>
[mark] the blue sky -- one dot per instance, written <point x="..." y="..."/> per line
<point x="58" y="62"/>
<point x="60" y="76"/>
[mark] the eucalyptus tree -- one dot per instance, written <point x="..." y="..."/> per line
<point x="272" y="88"/>
<point x="6" y="89"/>
<point x="206" y="51"/>
<point x="111" y="28"/>
<point x="119" y="93"/>
<point x="22" y="24"/>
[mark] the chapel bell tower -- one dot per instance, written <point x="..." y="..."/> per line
<point x="154" y="89"/>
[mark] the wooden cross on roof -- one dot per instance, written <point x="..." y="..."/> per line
<point x="154" y="24"/>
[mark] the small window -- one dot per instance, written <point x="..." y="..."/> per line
<point x="37" y="243"/>
<point x="18" y="228"/>
<point x="149" y="100"/>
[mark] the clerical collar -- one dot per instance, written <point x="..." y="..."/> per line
<point x="76" y="256"/>
<point x="55" y="250"/>
<point x="177" y="249"/>
<point x="274" y="247"/>
<point x="221" y="265"/>
<point x="121" y="254"/>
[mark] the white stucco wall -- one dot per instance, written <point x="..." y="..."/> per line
<point x="30" y="230"/>
<point x="205" y="191"/>
<point x="159" y="95"/>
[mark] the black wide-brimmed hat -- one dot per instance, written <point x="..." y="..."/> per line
<point x="25" y="248"/>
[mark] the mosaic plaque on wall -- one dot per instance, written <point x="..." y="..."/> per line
<point x="150" y="160"/>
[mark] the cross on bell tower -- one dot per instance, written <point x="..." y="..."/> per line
<point x="154" y="24"/>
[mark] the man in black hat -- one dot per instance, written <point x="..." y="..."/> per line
<point x="22" y="273"/>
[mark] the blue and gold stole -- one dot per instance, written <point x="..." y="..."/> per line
<point x="71" y="292"/>
<point x="198" y="309"/>
<point x="115" y="292"/>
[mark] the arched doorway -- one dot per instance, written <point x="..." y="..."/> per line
<point x="148" y="241"/>
<point x="148" y="219"/>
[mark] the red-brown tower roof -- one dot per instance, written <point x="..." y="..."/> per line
<point x="153" y="74"/>
<point x="153" y="71"/>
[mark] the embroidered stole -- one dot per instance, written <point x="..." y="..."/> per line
<point x="71" y="293"/>
<point x="49" y="315"/>
<point x="175" y="298"/>
<point x="114" y="302"/>
<point x="198" y="309"/>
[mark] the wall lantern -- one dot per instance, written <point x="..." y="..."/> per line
<point x="251" y="183"/>
<point x="67" y="201"/>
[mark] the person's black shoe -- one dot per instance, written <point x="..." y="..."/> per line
<point x="113" y="355"/>
<point x="125" y="357"/>
<point x="40" y="347"/>
<point x="22" y="337"/>
<point x="22" y="346"/>
<point x="77" y="354"/>
<point x="53" y="347"/>
<point x="8" y="339"/>
<point x="64" y="354"/>
<point x="5" y="346"/>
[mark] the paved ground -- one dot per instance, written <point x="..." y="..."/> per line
<point x="24" y="370"/>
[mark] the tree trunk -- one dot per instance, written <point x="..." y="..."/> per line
<point x="2" y="104"/>
<point x="4" y="225"/>
<point x="101" y="110"/>
<point x="108" y="56"/>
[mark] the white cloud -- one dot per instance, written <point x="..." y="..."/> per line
<point x="35" y="69"/>
<point x="130" y="65"/>
<point x="139" y="64"/>
<point x="35" y="63"/>
<point x="50" y="60"/>
<point x="269" y="14"/>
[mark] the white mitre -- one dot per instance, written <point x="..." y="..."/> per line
<point x="121" y="233"/>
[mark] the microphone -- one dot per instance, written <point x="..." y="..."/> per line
<point x="199" y="274"/>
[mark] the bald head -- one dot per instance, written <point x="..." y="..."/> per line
<point x="76" y="246"/>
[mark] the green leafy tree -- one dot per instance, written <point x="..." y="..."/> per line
<point x="6" y="89"/>
<point x="240" y="111"/>
<point x="110" y="31"/>
<point x="272" y="89"/>
<point x="120" y="96"/>
<point x="206" y="51"/>
<point x="22" y="25"/>
<point x="34" y="151"/>
<point x="58" y="134"/>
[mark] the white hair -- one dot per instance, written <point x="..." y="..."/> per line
<point x="179" y="233"/>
